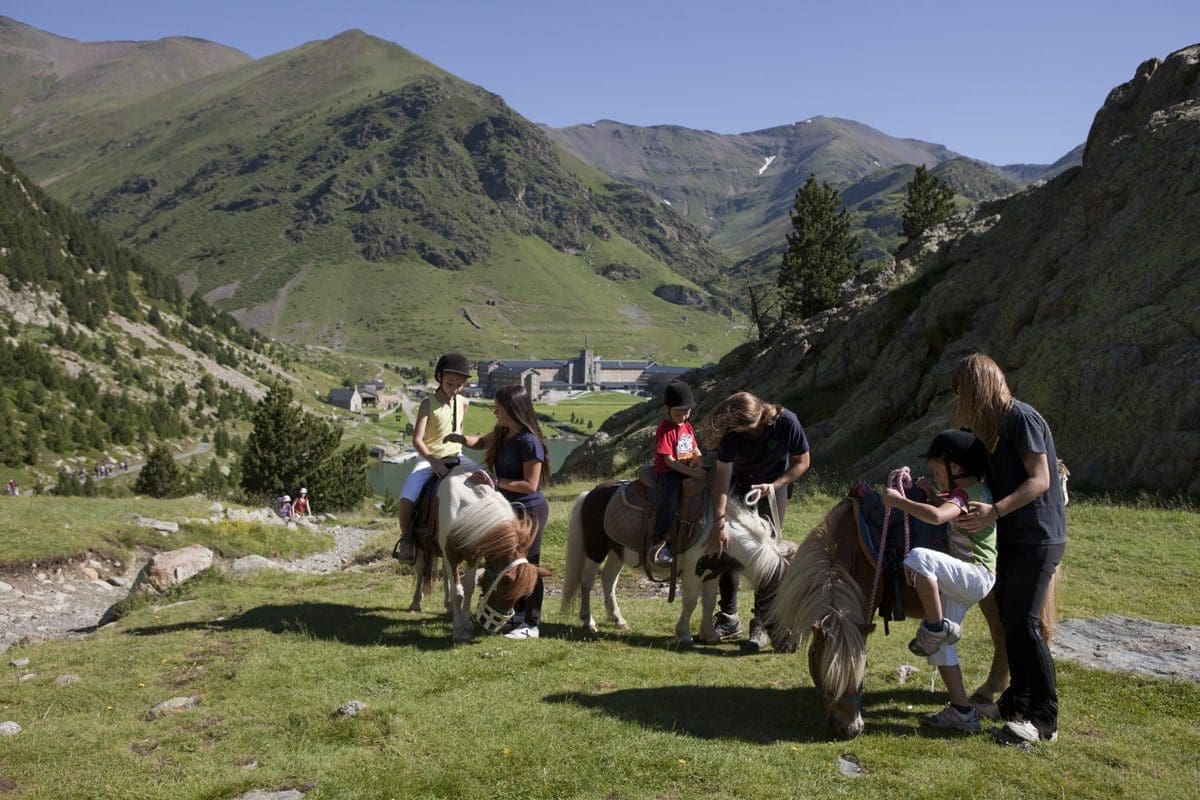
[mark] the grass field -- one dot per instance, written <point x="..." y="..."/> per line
<point x="624" y="715"/>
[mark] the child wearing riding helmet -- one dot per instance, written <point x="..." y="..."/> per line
<point x="439" y="416"/>
<point x="516" y="453"/>
<point x="676" y="456"/>
<point x="950" y="583"/>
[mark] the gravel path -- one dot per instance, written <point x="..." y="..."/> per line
<point x="66" y="601"/>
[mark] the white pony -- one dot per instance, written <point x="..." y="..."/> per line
<point x="476" y="525"/>
<point x="752" y="543"/>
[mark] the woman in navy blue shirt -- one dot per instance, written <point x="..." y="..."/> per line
<point x="517" y="455"/>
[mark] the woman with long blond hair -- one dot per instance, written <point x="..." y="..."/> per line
<point x="1031" y="536"/>
<point x="760" y="446"/>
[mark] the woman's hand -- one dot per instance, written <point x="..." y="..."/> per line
<point x="979" y="517"/>
<point x="480" y="478"/>
<point x="718" y="539"/>
<point x="455" y="438"/>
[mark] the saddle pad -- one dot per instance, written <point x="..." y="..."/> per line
<point x="625" y="521"/>
<point x="870" y="510"/>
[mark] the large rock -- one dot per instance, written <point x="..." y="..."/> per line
<point x="170" y="568"/>
<point x="1085" y="290"/>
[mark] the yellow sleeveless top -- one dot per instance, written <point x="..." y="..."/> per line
<point x="441" y="421"/>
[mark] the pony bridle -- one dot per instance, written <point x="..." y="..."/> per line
<point x="489" y="618"/>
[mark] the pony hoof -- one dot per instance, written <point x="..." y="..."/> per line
<point x="684" y="641"/>
<point x="415" y="607"/>
<point x="622" y="624"/>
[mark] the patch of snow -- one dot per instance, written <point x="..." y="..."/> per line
<point x="766" y="164"/>
<point x="668" y="202"/>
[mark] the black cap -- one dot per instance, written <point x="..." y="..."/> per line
<point x="453" y="362"/>
<point x="678" y="395"/>
<point x="963" y="448"/>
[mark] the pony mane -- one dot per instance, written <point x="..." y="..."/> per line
<point x="488" y="527"/>
<point x="819" y="593"/>
<point x="750" y="542"/>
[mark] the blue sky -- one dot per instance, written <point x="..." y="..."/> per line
<point x="1005" y="82"/>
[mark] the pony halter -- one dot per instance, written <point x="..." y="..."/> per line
<point x="489" y="618"/>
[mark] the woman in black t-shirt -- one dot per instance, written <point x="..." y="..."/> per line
<point x="516" y="453"/>
<point x="1031" y="536"/>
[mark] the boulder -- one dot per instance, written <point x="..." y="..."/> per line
<point x="9" y="728"/>
<point x="252" y="563"/>
<point x="171" y="568"/>
<point x="172" y="706"/>
<point x="156" y="524"/>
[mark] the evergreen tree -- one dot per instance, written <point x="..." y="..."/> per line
<point x="930" y="201"/>
<point x="160" y="476"/>
<point x="288" y="449"/>
<point x="822" y="252"/>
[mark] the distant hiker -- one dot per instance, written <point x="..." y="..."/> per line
<point x="11" y="488"/>
<point x="438" y="416"/>
<point x="283" y="507"/>
<point x="1031" y="536"/>
<point x="517" y="454"/>
<point x="676" y="456"/>
<point x="301" y="507"/>
<point x="950" y="583"/>
<point x="760" y="447"/>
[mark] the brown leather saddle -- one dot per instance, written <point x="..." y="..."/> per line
<point x="630" y="514"/>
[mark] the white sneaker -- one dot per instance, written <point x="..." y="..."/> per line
<point x="523" y="632"/>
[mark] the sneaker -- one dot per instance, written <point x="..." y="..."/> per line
<point x="405" y="552"/>
<point x="950" y="718"/>
<point x="663" y="557"/>
<point x="758" y="640"/>
<point x="1026" y="731"/>
<point x="928" y="642"/>
<point x="516" y="621"/>
<point x="523" y="632"/>
<point x="728" y="625"/>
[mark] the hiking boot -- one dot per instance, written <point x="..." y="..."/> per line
<point x="950" y="718"/>
<point x="523" y="632"/>
<point x="1026" y="731"/>
<point x="728" y="625"/>
<point x="758" y="640"/>
<point x="928" y="642"/>
<point x="405" y="552"/>
<point x="663" y="557"/>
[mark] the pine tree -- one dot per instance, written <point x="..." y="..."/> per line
<point x="822" y="252"/>
<point x="160" y="475"/>
<point x="930" y="201"/>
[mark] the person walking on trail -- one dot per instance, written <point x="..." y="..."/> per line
<point x="1031" y="536"/>
<point x="301" y="507"/>
<point x="516" y="452"/>
<point x="760" y="447"/>
<point x="439" y="415"/>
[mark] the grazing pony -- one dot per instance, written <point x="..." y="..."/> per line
<point x="477" y="525"/>
<point x="589" y="544"/>
<point x="823" y="597"/>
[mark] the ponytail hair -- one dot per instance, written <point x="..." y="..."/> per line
<point x="741" y="412"/>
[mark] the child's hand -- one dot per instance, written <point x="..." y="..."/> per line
<point x="439" y="468"/>
<point x="699" y="472"/>
<point x="890" y="496"/>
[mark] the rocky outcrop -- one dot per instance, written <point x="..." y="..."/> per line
<point x="1084" y="289"/>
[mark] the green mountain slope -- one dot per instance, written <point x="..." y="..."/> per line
<point x="350" y="194"/>
<point x="740" y="188"/>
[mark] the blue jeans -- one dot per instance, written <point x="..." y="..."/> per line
<point x="670" y="486"/>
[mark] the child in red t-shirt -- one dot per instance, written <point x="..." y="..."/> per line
<point x="676" y="456"/>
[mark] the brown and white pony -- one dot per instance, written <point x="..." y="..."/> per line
<point x="589" y="545"/>
<point x="822" y="597"/>
<point x="476" y="525"/>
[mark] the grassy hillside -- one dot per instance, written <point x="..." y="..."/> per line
<point x="272" y="657"/>
<point x="349" y="194"/>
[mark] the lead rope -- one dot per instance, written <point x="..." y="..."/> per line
<point x="899" y="479"/>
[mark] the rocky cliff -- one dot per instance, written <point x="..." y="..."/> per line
<point x="1086" y="290"/>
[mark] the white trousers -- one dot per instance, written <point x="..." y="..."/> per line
<point x="960" y="586"/>
<point x="422" y="474"/>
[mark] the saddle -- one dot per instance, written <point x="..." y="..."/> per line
<point x="630" y="514"/>
<point x="425" y="516"/>
<point x="869" y="514"/>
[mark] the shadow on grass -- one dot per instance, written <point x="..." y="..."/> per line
<point x="750" y="714"/>
<point x="336" y="622"/>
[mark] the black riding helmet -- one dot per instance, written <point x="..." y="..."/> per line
<point x="678" y="395"/>
<point x="960" y="447"/>
<point x="453" y="362"/>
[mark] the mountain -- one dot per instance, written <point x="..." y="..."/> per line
<point x="350" y="194"/>
<point x="740" y="188"/>
<point x="46" y="79"/>
<point x="1085" y="290"/>
<point x="101" y="352"/>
